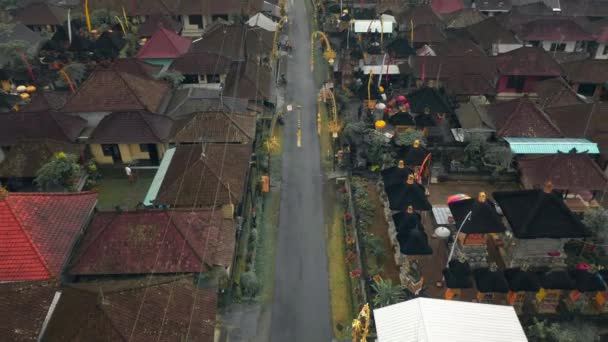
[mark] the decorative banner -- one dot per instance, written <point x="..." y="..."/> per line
<point x="87" y="15"/>
<point x="124" y="14"/>
<point x="541" y="294"/>
<point x="423" y="167"/>
<point x="68" y="79"/>
<point x="27" y="64"/>
<point x="70" y="25"/>
<point x="412" y="32"/>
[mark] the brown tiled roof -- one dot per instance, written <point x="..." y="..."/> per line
<point x="23" y="308"/>
<point x="427" y="33"/>
<point x="463" y="18"/>
<point x="41" y="14"/>
<point x="521" y="118"/>
<point x="228" y="39"/>
<point x="599" y="28"/>
<point x="555" y="92"/>
<point x="458" y="45"/>
<point x="489" y="32"/>
<point x="46" y="100"/>
<point x="136" y="7"/>
<point x="571" y="171"/>
<point x="136" y="310"/>
<point x="135" y="127"/>
<point x="148" y="28"/>
<point x="258" y="42"/>
<point x="108" y="90"/>
<point x="194" y="180"/>
<point x="27" y="157"/>
<point x="201" y="63"/>
<point x="251" y="81"/>
<point x="470" y="84"/>
<point x="220" y="7"/>
<point x="454" y="65"/>
<point x="553" y="29"/>
<point x="587" y="71"/>
<point x="583" y="121"/>
<point x="40" y="125"/>
<point x="155" y="241"/>
<point x="215" y="127"/>
<point x="419" y="15"/>
<point x="528" y="61"/>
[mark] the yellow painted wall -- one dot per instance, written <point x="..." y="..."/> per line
<point x="125" y="153"/>
<point x="136" y="152"/>
<point x="162" y="148"/>
<point x="97" y="153"/>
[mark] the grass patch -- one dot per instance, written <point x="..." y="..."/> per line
<point x="325" y="140"/>
<point x="267" y="237"/>
<point x="339" y="283"/>
<point x="115" y="190"/>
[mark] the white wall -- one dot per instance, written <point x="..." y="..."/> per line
<point x="503" y="48"/>
<point x="599" y="53"/>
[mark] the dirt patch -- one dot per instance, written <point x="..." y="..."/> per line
<point x="379" y="227"/>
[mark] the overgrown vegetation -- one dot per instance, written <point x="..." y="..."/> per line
<point x="487" y="157"/>
<point x="408" y="137"/>
<point x="373" y="148"/>
<point x="62" y="171"/>
<point x="544" y="331"/>
<point x="387" y="293"/>
<point x="597" y="220"/>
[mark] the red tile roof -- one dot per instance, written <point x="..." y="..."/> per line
<point x="41" y="14"/>
<point x="137" y="127"/>
<point x="155" y="241"/>
<point x="447" y="6"/>
<point x="164" y="44"/>
<point x="521" y="118"/>
<point x="559" y="30"/>
<point x="38" y="231"/>
<point x="528" y="61"/>
<point x="587" y="71"/>
<point x="109" y="311"/>
<point x="23" y="308"/>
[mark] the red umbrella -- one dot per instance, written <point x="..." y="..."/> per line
<point x="458" y="197"/>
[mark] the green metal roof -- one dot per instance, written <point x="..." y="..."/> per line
<point x="551" y="145"/>
<point x="159" y="177"/>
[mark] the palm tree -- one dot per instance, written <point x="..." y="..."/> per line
<point x="387" y="293"/>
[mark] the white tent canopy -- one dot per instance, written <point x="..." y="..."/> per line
<point x="364" y="26"/>
<point x="390" y="69"/>
<point x="438" y="320"/>
<point x="262" y="21"/>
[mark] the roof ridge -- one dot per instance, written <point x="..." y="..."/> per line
<point x="109" y="318"/>
<point x="145" y="107"/>
<point x="186" y="240"/>
<point x="234" y="122"/>
<point x="220" y="179"/>
<point x="143" y="115"/>
<point x="84" y="248"/>
<point x="29" y="238"/>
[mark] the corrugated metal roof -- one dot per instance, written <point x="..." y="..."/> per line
<point x="438" y="320"/>
<point x="551" y="145"/>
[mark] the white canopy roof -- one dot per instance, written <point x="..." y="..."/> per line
<point x="262" y="21"/>
<point x="364" y="26"/>
<point x="378" y="69"/>
<point x="438" y="320"/>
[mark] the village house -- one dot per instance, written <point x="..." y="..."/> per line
<point x="39" y="232"/>
<point x="555" y="35"/>
<point x="160" y="242"/>
<point x="197" y="15"/>
<point x="215" y="127"/>
<point x="588" y="78"/>
<point x="41" y="16"/>
<point x="163" y="47"/>
<point x="189" y="100"/>
<point x="522" y="68"/>
<point x="178" y="181"/>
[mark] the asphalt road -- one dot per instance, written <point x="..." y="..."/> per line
<point x="301" y="307"/>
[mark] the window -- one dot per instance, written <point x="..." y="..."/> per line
<point x="144" y="147"/>
<point x="516" y="82"/>
<point x="605" y="51"/>
<point x="108" y="150"/>
<point x="535" y="42"/>
<point x="586" y="89"/>
<point x="196" y="20"/>
<point x="213" y="78"/>
<point x="558" y="47"/>
<point x="190" y="79"/>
